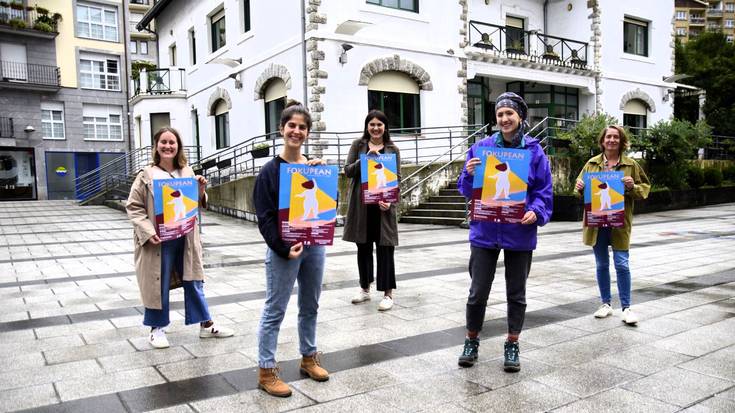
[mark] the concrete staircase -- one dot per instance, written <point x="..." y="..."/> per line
<point x="447" y="208"/>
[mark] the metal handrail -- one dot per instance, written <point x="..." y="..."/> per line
<point x="431" y="175"/>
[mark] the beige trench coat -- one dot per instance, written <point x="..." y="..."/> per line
<point x="147" y="256"/>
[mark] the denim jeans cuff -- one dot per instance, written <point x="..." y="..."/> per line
<point x="267" y="364"/>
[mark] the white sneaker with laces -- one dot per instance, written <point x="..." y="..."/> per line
<point x="605" y="310"/>
<point x="215" y="331"/>
<point x="385" y="304"/>
<point x="629" y="317"/>
<point x="157" y="338"/>
<point x="361" y="297"/>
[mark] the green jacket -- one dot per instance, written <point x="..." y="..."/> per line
<point x="641" y="187"/>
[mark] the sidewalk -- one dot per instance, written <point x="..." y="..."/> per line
<point x="71" y="334"/>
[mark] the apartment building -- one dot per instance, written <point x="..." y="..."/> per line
<point x="141" y="43"/>
<point x="63" y="94"/>
<point x="692" y="17"/>
<point x="226" y="67"/>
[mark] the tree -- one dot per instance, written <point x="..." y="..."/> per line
<point x="710" y="61"/>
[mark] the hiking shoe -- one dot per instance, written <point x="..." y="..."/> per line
<point x="512" y="361"/>
<point x="361" y="297"/>
<point x="385" y="304"/>
<point x="157" y="338"/>
<point x="629" y="317"/>
<point x="312" y="367"/>
<point x="215" y="331"/>
<point x="469" y="353"/>
<point x="269" y="381"/>
<point x="605" y="310"/>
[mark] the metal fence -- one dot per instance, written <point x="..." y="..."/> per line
<point x="29" y="73"/>
<point x="159" y="82"/>
<point x="22" y="18"/>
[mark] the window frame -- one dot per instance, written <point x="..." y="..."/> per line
<point x="246" y="16"/>
<point x="628" y="23"/>
<point x="95" y="122"/>
<point x="192" y="47"/>
<point x="141" y="43"/>
<point x="222" y="130"/>
<point x="214" y="20"/>
<point x="172" y="57"/>
<point x="399" y="123"/>
<point x="51" y="121"/>
<point x="102" y="23"/>
<point x="414" y="9"/>
<point x="106" y="73"/>
<point x="133" y="46"/>
<point x="681" y="15"/>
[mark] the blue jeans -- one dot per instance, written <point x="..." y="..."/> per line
<point x="195" y="305"/>
<point x="281" y="274"/>
<point x="602" y="259"/>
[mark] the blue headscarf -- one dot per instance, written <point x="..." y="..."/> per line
<point x="515" y="102"/>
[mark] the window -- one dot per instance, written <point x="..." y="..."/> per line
<point x="172" y="55"/>
<point x="515" y="35"/>
<point x="192" y="47"/>
<point x="52" y="120"/>
<point x="275" y="102"/>
<point x="96" y="72"/>
<point x="410" y="5"/>
<point x="635" y="115"/>
<point x="143" y="47"/>
<point x="681" y="15"/>
<point x="222" y="124"/>
<point x="635" y="37"/>
<point x="97" y="22"/>
<point x="102" y="122"/>
<point x="729" y="23"/>
<point x="730" y="7"/>
<point x="133" y="46"/>
<point x="397" y="95"/>
<point x="245" y="16"/>
<point x="729" y="38"/>
<point x="218" y="30"/>
<point x="681" y="31"/>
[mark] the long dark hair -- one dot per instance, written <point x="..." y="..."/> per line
<point x="376" y="114"/>
<point x="295" y="108"/>
<point x="180" y="160"/>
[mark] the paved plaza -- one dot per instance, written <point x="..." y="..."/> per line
<point x="71" y="337"/>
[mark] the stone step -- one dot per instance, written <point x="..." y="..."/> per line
<point x="447" y="198"/>
<point x="449" y="192"/>
<point x="457" y="206"/>
<point x="409" y="219"/>
<point x="452" y="185"/>
<point x="439" y="213"/>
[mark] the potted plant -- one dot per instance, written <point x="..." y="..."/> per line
<point x="17" y="6"/>
<point x="549" y="53"/>
<point x="516" y="46"/>
<point x="17" y="23"/>
<point x="260" y="150"/>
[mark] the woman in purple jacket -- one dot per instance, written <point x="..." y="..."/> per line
<point x="516" y="240"/>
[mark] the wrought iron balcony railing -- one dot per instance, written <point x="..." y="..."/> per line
<point x="528" y="45"/>
<point x="28" y="73"/>
<point x="159" y="82"/>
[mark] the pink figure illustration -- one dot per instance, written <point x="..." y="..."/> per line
<point x="311" y="204"/>
<point x="604" y="193"/>
<point x="179" y="206"/>
<point x="502" y="181"/>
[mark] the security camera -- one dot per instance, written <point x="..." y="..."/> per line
<point x="347" y="46"/>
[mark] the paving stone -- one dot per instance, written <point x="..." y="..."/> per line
<point x="644" y="359"/>
<point x="86" y="352"/>
<point x="701" y="340"/>
<point x="551" y="334"/>
<point x="108" y="383"/>
<point x="203" y="366"/>
<point x="712" y="405"/>
<point x="183" y="408"/>
<point x="525" y="396"/>
<point x="140" y="359"/>
<point x="617" y="401"/>
<point x="48" y="374"/>
<point x="665" y="326"/>
<point x="27" y="397"/>
<point x="678" y="386"/>
<point x="430" y="392"/>
<point x="252" y="401"/>
<point x="587" y="379"/>
<point x="720" y="364"/>
<point x="490" y="373"/>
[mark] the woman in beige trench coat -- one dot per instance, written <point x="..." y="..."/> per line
<point x="164" y="265"/>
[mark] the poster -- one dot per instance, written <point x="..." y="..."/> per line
<point x="500" y="184"/>
<point x="176" y="204"/>
<point x="604" y="199"/>
<point x="379" y="178"/>
<point x="307" y="203"/>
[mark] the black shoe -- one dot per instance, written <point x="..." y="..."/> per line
<point x="469" y="354"/>
<point x="512" y="362"/>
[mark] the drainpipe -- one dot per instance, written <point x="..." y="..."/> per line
<point x="128" y="67"/>
<point x="303" y="49"/>
<point x="546" y="14"/>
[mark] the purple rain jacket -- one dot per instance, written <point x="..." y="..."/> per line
<point x="539" y="199"/>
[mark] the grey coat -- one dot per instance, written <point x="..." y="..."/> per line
<point x="356" y="220"/>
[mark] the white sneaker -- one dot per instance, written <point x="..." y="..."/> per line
<point x="605" y="310"/>
<point x="157" y="338"/>
<point x="629" y="317"/>
<point x="361" y="297"/>
<point x="215" y="331"/>
<point x="385" y="304"/>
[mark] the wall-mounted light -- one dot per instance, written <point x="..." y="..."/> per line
<point x="29" y="129"/>
<point x="343" y="55"/>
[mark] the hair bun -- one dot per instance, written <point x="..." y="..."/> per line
<point x="293" y="102"/>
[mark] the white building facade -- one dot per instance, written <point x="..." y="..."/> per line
<point x="232" y="63"/>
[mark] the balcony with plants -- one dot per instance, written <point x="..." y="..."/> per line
<point x="34" y="21"/>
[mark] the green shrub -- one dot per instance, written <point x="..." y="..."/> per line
<point x="44" y="27"/>
<point x="695" y="176"/>
<point x="729" y="173"/>
<point x="18" y="23"/>
<point x="713" y="176"/>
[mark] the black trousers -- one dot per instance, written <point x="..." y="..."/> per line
<point x="483" y="262"/>
<point x="386" y="273"/>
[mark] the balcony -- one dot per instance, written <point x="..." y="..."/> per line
<point x="29" y="21"/>
<point x="159" y="82"/>
<point x="6" y="128"/>
<point x="714" y="13"/>
<point x="696" y="21"/>
<point x="15" y="75"/>
<point x="530" y="46"/>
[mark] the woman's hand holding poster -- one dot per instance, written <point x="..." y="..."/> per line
<point x="500" y="184"/>
<point x="307" y="203"/>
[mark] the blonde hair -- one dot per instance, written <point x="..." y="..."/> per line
<point x="623" y="138"/>
<point x="180" y="160"/>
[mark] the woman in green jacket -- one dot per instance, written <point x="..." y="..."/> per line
<point x="613" y="143"/>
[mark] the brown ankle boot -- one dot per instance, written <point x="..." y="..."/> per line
<point x="269" y="381"/>
<point x="311" y="366"/>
